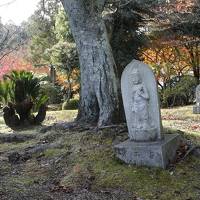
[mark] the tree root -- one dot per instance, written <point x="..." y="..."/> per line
<point x="80" y="127"/>
<point x="9" y="138"/>
<point x="23" y="156"/>
<point x="68" y="126"/>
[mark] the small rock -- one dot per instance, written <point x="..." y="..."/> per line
<point x="196" y="152"/>
<point x="14" y="157"/>
<point x="45" y="129"/>
<point x="26" y="156"/>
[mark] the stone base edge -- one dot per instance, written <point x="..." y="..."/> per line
<point x="196" y="109"/>
<point x="153" y="154"/>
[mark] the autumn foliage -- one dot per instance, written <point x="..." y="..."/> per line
<point x="167" y="62"/>
<point x="15" y="61"/>
<point x="73" y="80"/>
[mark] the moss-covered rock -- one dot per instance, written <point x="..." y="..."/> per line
<point x="72" y="104"/>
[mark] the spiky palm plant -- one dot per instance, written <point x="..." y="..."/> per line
<point x="20" y="93"/>
<point x="5" y="92"/>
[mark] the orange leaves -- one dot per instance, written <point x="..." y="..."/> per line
<point x="15" y="61"/>
<point x="184" y="5"/>
<point x="180" y="6"/>
<point x="167" y="61"/>
<point x="69" y="81"/>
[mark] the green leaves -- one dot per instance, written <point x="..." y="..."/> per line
<point x="19" y="86"/>
<point x="180" y="92"/>
<point x="24" y="85"/>
<point x="5" y="92"/>
<point x="62" y="29"/>
<point x="41" y="100"/>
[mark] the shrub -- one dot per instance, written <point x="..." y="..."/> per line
<point x="70" y="105"/>
<point x="19" y="93"/>
<point x="5" y="93"/>
<point x="181" y="92"/>
<point x="53" y="92"/>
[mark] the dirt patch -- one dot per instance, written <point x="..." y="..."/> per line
<point x="82" y="166"/>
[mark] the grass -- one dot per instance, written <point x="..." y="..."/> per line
<point x="88" y="158"/>
<point x="181" y="113"/>
<point x="182" y="118"/>
<point x="60" y="116"/>
<point x="98" y="160"/>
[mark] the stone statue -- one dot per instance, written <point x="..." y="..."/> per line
<point x="140" y="103"/>
<point x="142" y="128"/>
<point x="197" y="93"/>
<point x="147" y="145"/>
<point x="196" y="108"/>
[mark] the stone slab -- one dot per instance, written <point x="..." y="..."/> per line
<point x="149" y="88"/>
<point x="153" y="154"/>
<point x="196" y="109"/>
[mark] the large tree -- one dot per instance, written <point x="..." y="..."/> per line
<point x="100" y="93"/>
<point x="100" y="78"/>
<point x="99" y="82"/>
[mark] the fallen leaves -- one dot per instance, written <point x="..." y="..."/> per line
<point x="62" y="188"/>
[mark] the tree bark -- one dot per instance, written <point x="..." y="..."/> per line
<point x="52" y="74"/>
<point x="194" y="59"/>
<point x="99" y="83"/>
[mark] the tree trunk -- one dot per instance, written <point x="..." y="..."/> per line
<point x="99" y="83"/>
<point x="196" y="73"/>
<point x="53" y="74"/>
<point x="193" y="51"/>
<point x="69" y="90"/>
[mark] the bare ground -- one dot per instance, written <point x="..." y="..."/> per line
<point x="64" y="161"/>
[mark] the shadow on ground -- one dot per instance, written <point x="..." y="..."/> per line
<point x="66" y="162"/>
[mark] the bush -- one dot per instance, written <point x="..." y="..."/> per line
<point x="19" y="93"/>
<point x="53" y="92"/>
<point x="181" y="93"/>
<point x="72" y="104"/>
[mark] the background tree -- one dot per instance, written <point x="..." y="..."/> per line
<point x="176" y="25"/>
<point x="53" y="44"/>
<point x="64" y="54"/>
<point x="16" y="61"/>
<point x="173" y="50"/>
<point x="40" y="29"/>
<point x="125" y="23"/>
<point x="167" y="62"/>
<point x="12" y="38"/>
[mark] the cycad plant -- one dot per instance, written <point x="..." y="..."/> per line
<point x="20" y="95"/>
<point x="4" y="92"/>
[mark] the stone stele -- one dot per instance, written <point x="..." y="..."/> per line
<point x="146" y="144"/>
<point x="196" y="108"/>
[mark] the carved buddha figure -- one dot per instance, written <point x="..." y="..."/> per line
<point x="140" y="103"/>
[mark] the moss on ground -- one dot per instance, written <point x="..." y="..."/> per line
<point x="50" y="153"/>
<point x="9" y="147"/>
<point x="147" y="183"/>
<point x="86" y="160"/>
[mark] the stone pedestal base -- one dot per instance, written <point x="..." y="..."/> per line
<point x="143" y="135"/>
<point x="196" y="109"/>
<point x="155" y="154"/>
